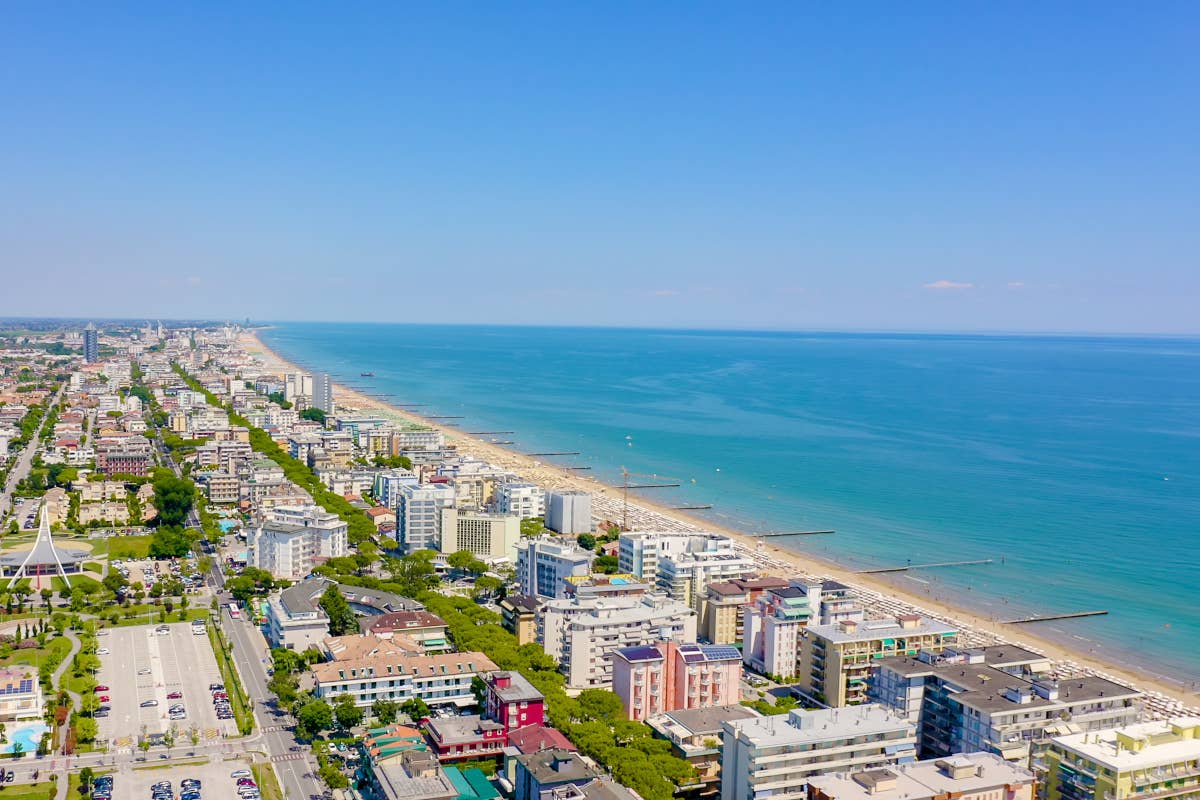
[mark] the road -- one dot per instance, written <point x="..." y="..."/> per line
<point x="25" y="461"/>
<point x="251" y="654"/>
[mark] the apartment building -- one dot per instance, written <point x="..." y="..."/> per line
<point x="425" y="629"/>
<point x="20" y="694"/>
<point x="222" y="487"/>
<point x="776" y="756"/>
<point x="292" y="540"/>
<point x="386" y="672"/>
<point x="723" y="613"/>
<point x="775" y="624"/>
<point x="386" y="486"/>
<point x="488" y="536"/>
<point x="995" y="699"/>
<point x="419" y="515"/>
<point x="569" y="512"/>
<point x="685" y="576"/>
<point x="695" y="736"/>
<point x="1156" y="760"/>
<point x="295" y="619"/>
<point x="667" y="676"/>
<point x="523" y="499"/>
<point x="604" y="586"/>
<point x="545" y="562"/>
<point x="518" y="614"/>
<point x="582" y="634"/>
<point x="836" y="660"/>
<point x="969" y="776"/>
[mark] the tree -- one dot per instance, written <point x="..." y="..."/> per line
<point x="465" y="561"/>
<point x="86" y="776"/>
<point x="114" y="581"/>
<point x="89" y="704"/>
<point x="341" y="617"/>
<point x="313" y="717"/>
<point x="485" y="586"/>
<point x="600" y="704"/>
<point x="393" y="462"/>
<point x="606" y="564"/>
<point x="313" y="414"/>
<point x="285" y="687"/>
<point x="415" y="708"/>
<point x="384" y="711"/>
<point x="332" y="777"/>
<point x="412" y="574"/>
<point x="173" y="497"/>
<point x="46" y="595"/>
<point x="242" y="588"/>
<point x="170" y="541"/>
<point x="168" y="738"/>
<point x="586" y="541"/>
<point x="347" y="714"/>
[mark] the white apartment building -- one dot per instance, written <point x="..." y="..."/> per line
<point x="582" y="633"/>
<point x="569" y="512"/>
<point x="322" y="393"/>
<point x="295" y="619"/>
<point x="638" y="552"/>
<point x="544" y="562"/>
<point x="386" y="488"/>
<point x="294" y="539"/>
<point x="488" y="536"/>
<point x="297" y="384"/>
<point x="707" y="559"/>
<point x="967" y="776"/>
<point x="523" y="499"/>
<point x="775" y="756"/>
<point x="419" y="515"/>
<point x="417" y="440"/>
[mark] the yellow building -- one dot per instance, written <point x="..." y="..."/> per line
<point x="1158" y="760"/>
<point x="836" y="660"/>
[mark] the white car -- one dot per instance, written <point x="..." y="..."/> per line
<point x="103" y="651"/>
<point x="240" y="773"/>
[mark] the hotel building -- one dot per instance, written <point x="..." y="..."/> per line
<point x="666" y="676"/>
<point x="544" y="562"/>
<point x="1147" y="761"/>
<point x="969" y="776"/>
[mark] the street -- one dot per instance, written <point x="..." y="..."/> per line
<point x="25" y="461"/>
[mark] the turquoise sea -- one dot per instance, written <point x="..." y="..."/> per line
<point x="1074" y="462"/>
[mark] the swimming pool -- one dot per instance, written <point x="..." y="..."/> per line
<point x="226" y="525"/>
<point x="28" y="734"/>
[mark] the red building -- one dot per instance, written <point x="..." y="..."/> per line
<point x="510" y="704"/>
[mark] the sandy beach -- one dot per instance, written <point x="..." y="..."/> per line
<point x="881" y="597"/>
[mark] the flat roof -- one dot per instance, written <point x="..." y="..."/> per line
<point x="817" y="725"/>
<point x="1163" y="744"/>
<point x="872" y="629"/>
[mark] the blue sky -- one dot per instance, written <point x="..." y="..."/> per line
<point x="958" y="166"/>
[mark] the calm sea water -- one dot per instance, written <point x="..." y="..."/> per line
<point x="1074" y="462"/>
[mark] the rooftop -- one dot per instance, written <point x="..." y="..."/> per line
<point x="969" y="773"/>
<point x="1141" y="746"/>
<point x="818" y="725"/>
<point x="519" y="689"/>
<point x="872" y="629"/>
<point x="557" y="766"/>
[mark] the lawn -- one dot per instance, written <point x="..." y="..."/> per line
<point x="268" y="785"/>
<point x="233" y="684"/>
<point x="43" y="790"/>
<point x="55" y="651"/>
<point x="140" y="618"/>
<point x="128" y="546"/>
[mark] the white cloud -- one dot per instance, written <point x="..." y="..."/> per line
<point x="949" y="286"/>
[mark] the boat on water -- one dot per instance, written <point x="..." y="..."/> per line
<point x="366" y="374"/>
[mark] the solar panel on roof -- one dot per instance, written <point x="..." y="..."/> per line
<point x="692" y="658"/>
<point x="721" y="651"/>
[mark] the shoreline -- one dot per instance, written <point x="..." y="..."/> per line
<point x="880" y="596"/>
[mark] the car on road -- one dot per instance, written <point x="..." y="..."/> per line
<point x="216" y="687"/>
<point x="162" y="630"/>
<point x="148" y="703"/>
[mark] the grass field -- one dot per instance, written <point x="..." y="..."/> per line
<point x="43" y="790"/>
<point x="55" y="651"/>
<point x="128" y="546"/>
<point x="268" y="785"/>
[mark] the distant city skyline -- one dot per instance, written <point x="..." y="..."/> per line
<point x="1003" y="169"/>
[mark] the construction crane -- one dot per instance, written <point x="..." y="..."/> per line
<point x="626" y="486"/>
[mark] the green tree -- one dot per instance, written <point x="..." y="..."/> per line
<point x="86" y="776"/>
<point x="465" y="561"/>
<point x="173" y="497"/>
<point x="586" y="541"/>
<point x="341" y="617"/>
<point x="312" y="717"/>
<point x="313" y="414"/>
<point x="285" y="687"/>
<point x="347" y="714"/>
<point x="412" y="574"/>
<point x="332" y="777"/>
<point x="486" y="586"/>
<point x="606" y="564"/>
<point x="170" y="541"/>
<point x="415" y="708"/>
<point x="600" y="704"/>
<point x="384" y="711"/>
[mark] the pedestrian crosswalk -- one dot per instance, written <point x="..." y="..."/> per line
<point x="287" y="757"/>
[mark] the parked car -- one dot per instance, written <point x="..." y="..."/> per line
<point x="148" y="703"/>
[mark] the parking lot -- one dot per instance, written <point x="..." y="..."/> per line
<point x="214" y="777"/>
<point x="143" y="666"/>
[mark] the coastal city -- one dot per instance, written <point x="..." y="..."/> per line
<point x="226" y="575"/>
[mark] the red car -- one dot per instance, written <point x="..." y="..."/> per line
<point x="101" y="688"/>
<point x="103" y="698"/>
<point x="174" y="695"/>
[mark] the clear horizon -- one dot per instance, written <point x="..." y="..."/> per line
<point x="1013" y="170"/>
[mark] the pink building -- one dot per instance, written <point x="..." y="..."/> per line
<point x="667" y="677"/>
